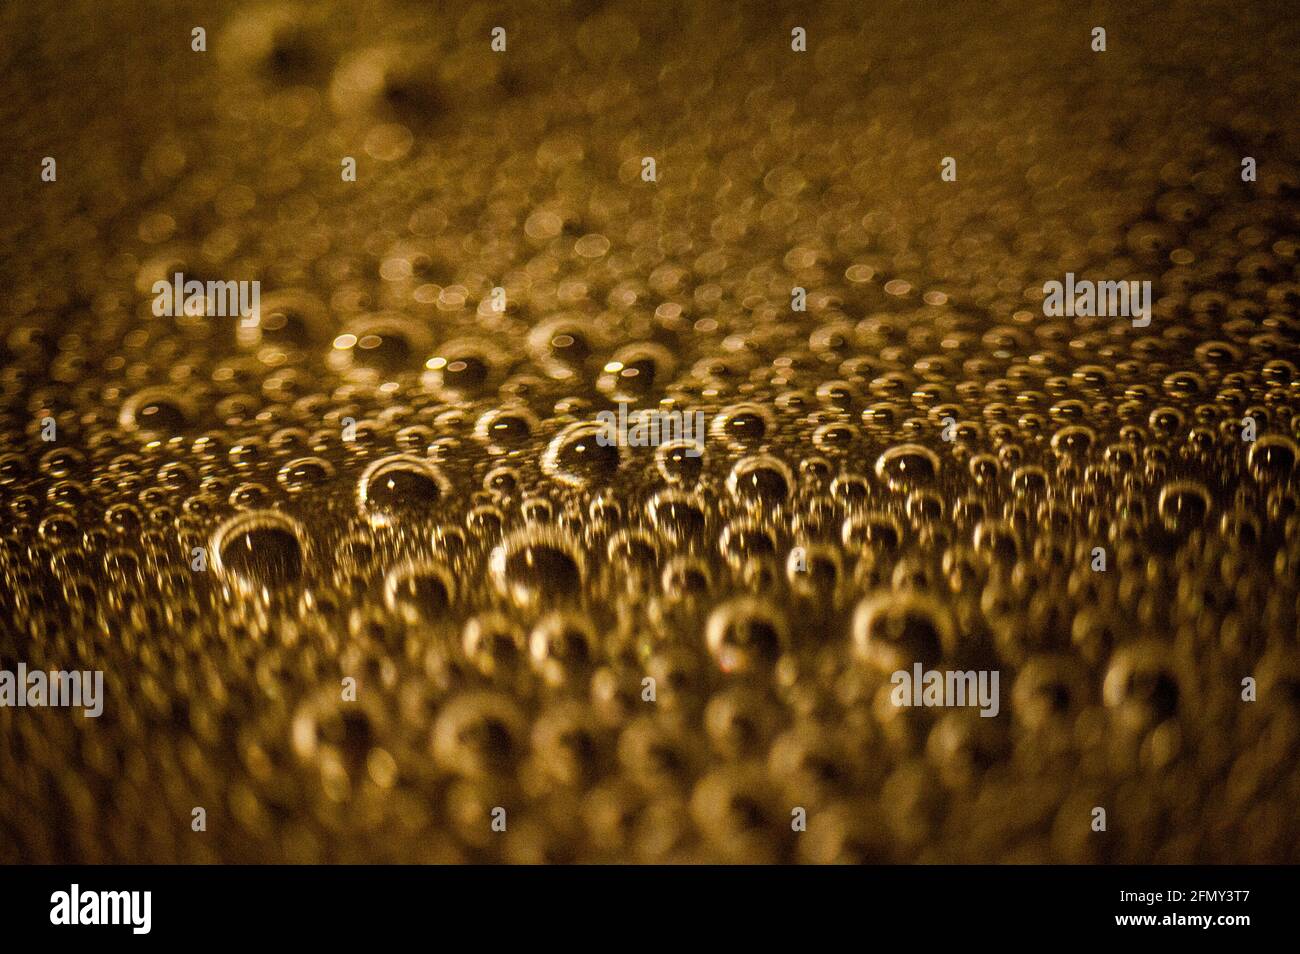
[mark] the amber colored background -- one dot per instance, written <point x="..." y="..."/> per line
<point x="517" y="681"/>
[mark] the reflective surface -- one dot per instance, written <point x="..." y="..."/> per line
<point x="359" y="573"/>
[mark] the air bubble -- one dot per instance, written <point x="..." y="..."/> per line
<point x="260" y="550"/>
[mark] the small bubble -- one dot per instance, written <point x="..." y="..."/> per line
<point x="576" y="457"/>
<point x="260" y="550"/>
<point x="398" y="487"/>
<point x="304" y="473"/>
<point x="907" y="467"/>
<point x="1183" y="505"/>
<point x="156" y="412"/>
<point x="419" y="591"/>
<point x="537" y="566"/>
<point x="746" y="633"/>
<point x="761" y="481"/>
<point x="1272" y="458"/>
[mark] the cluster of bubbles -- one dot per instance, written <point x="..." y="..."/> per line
<point x="387" y="482"/>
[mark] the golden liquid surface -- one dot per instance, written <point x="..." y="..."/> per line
<point x="428" y="593"/>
